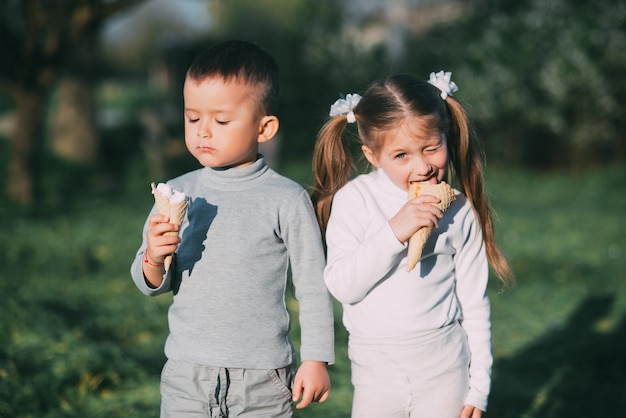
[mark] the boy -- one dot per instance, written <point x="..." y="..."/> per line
<point x="229" y="352"/>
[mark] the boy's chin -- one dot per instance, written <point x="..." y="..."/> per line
<point x="227" y="166"/>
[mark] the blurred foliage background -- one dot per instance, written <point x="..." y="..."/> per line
<point x="91" y="113"/>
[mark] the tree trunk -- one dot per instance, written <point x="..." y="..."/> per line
<point x="73" y="132"/>
<point x="25" y="140"/>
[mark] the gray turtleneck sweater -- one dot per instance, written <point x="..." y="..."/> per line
<point x="245" y="229"/>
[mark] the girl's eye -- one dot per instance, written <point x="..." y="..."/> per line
<point x="401" y="155"/>
<point x="192" y="120"/>
<point x="222" y="122"/>
<point x="433" y="149"/>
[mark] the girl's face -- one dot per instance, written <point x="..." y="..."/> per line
<point x="411" y="153"/>
<point x="223" y="122"/>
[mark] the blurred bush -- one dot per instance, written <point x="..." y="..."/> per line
<point x="541" y="79"/>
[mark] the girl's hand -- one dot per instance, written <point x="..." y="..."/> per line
<point x="160" y="244"/>
<point x="470" y="411"/>
<point x="416" y="213"/>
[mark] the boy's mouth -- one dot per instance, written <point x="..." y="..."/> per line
<point x="205" y="148"/>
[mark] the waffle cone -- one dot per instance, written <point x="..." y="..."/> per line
<point x="445" y="193"/>
<point x="175" y="211"/>
<point x="162" y="202"/>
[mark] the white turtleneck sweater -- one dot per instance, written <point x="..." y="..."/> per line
<point x="366" y="272"/>
<point x="244" y="228"/>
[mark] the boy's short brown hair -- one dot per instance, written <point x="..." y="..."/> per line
<point x="242" y="61"/>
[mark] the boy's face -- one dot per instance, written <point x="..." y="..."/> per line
<point x="224" y="123"/>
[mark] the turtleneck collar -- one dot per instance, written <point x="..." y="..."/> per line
<point x="387" y="185"/>
<point x="235" y="178"/>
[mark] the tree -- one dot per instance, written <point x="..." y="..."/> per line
<point x="39" y="40"/>
<point x="317" y="60"/>
<point x="543" y="78"/>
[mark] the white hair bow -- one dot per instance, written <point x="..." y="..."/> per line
<point x="345" y="107"/>
<point x="443" y="81"/>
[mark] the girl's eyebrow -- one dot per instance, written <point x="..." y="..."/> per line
<point x="429" y="141"/>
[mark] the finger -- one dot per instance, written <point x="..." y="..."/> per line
<point x="431" y="209"/>
<point x="307" y="398"/>
<point x="296" y="392"/>
<point x="427" y="219"/>
<point x="426" y="198"/>
<point x="324" y="396"/>
<point x="431" y="213"/>
<point x="161" y="244"/>
<point x="468" y="412"/>
<point x="157" y="218"/>
<point x="163" y="228"/>
<point x="165" y="245"/>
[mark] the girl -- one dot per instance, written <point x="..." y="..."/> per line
<point x="420" y="341"/>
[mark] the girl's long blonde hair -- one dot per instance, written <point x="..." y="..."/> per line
<point x="385" y="105"/>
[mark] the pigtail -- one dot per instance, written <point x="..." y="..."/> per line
<point x="466" y="153"/>
<point x="467" y="159"/>
<point x="332" y="167"/>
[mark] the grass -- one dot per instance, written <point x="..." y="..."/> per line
<point x="78" y="340"/>
<point x="559" y="336"/>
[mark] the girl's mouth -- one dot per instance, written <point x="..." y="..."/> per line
<point x="432" y="180"/>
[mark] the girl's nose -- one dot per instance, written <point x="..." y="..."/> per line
<point x="421" y="167"/>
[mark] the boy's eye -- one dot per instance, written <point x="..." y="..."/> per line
<point x="193" y="120"/>
<point x="222" y="122"/>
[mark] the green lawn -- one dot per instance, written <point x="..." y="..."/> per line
<point x="78" y="340"/>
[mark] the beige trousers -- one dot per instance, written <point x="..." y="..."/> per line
<point x="192" y="390"/>
<point x="417" y="377"/>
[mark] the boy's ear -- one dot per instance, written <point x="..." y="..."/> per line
<point x="267" y="128"/>
<point x="370" y="156"/>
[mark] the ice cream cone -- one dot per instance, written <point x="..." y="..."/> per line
<point x="172" y="204"/>
<point x="416" y="243"/>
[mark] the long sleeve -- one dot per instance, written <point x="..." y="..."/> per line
<point x="245" y="228"/>
<point x="472" y="272"/>
<point x="136" y="268"/>
<point x="302" y="237"/>
<point x="366" y="271"/>
<point x="363" y="251"/>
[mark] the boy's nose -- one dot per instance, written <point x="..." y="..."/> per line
<point x="204" y="131"/>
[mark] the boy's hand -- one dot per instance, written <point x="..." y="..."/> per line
<point x="159" y="244"/>
<point x="311" y="383"/>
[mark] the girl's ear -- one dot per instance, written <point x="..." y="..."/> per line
<point x="268" y="126"/>
<point x="369" y="154"/>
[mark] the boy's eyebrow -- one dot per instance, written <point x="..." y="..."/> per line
<point x="212" y="111"/>
<point x="192" y="111"/>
